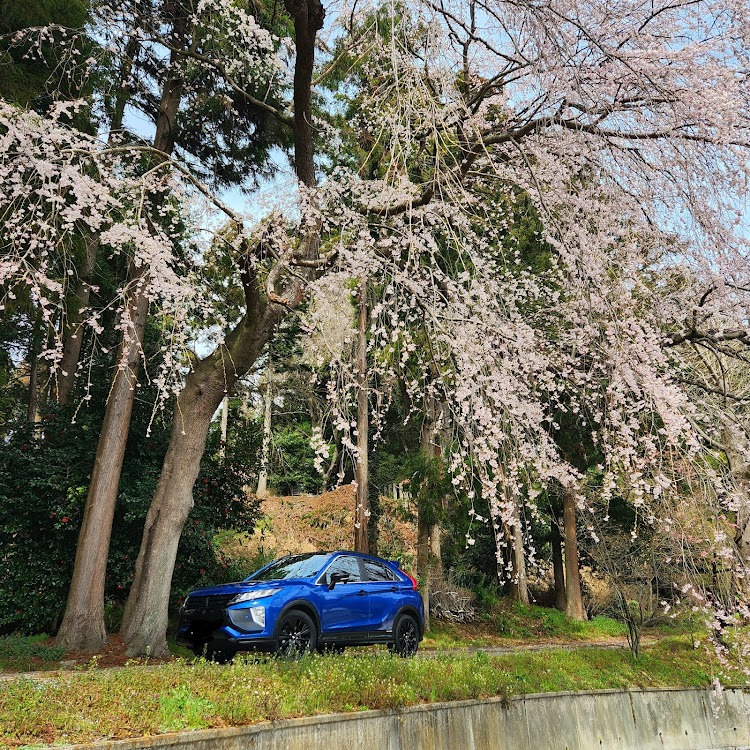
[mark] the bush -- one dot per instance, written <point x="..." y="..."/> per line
<point x="44" y="477"/>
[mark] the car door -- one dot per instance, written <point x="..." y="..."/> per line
<point x="344" y="608"/>
<point x="384" y="593"/>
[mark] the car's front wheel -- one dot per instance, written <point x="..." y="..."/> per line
<point x="406" y="636"/>
<point x="297" y="635"/>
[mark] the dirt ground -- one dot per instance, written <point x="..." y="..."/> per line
<point x="309" y="523"/>
<point x="112" y="655"/>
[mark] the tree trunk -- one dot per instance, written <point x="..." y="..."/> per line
<point x="224" y="427"/>
<point x="737" y="451"/>
<point x="145" y="619"/>
<point x="518" y="581"/>
<point x="326" y="483"/>
<point x="144" y="624"/>
<point x="83" y="627"/>
<point x="423" y="566"/>
<point x="436" y="554"/>
<point x="428" y="530"/>
<point x="265" y="456"/>
<point x="558" y="566"/>
<point x="573" y="599"/>
<point x="362" y="507"/>
<point x="32" y="411"/>
<point x="33" y="406"/>
<point x="66" y="370"/>
<point x="500" y="549"/>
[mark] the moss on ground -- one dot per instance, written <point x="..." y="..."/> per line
<point x="94" y="704"/>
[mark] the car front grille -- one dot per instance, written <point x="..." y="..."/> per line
<point x="215" y="601"/>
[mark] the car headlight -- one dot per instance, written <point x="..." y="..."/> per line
<point x="251" y="595"/>
<point x="248" y="618"/>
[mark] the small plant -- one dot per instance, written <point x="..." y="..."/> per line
<point x="180" y="709"/>
<point x="23" y="652"/>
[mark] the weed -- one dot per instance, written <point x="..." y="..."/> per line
<point x="23" y="653"/>
<point x="180" y="709"/>
<point x="132" y="701"/>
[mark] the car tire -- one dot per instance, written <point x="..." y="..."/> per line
<point x="405" y="636"/>
<point x="297" y="635"/>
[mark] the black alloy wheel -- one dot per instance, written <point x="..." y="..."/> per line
<point x="406" y="636"/>
<point x="297" y="635"/>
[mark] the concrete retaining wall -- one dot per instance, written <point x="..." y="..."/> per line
<point x="660" y="719"/>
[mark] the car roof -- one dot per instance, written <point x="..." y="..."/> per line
<point x="336" y="553"/>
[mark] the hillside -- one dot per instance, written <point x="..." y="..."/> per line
<point x="305" y="523"/>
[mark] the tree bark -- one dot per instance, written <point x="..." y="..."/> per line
<point x="326" y="483"/>
<point x="66" y="370"/>
<point x="265" y="455"/>
<point x="224" y="426"/>
<point x="145" y="619"/>
<point x="32" y="411"/>
<point x="436" y="553"/>
<point x="82" y="628"/>
<point x="518" y="585"/>
<point x="737" y="451"/>
<point x="423" y="566"/>
<point x="144" y="623"/>
<point x="498" y="534"/>
<point x="362" y="501"/>
<point x="573" y="598"/>
<point x="558" y="566"/>
<point x="73" y="335"/>
<point x="429" y="554"/>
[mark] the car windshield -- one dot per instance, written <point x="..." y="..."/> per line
<point x="294" y="566"/>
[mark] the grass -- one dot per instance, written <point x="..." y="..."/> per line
<point x="513" y="623"/>
<point x="97" y="704"/>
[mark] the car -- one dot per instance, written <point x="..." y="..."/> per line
<point x="322" y="601"/>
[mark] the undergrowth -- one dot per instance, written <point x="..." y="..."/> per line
<point x="114" y="704"/>
<point x="28" y="652"/>
<point x="513" y="623"/>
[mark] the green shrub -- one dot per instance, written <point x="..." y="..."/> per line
<point x="44" y="477"/>
<point x="17" y="652"/>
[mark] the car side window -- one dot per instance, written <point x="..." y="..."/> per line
<point x="378" y="572"/>
<point x="345" y="564"/>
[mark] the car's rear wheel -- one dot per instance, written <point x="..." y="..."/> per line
<point x="406" y="636"/>
<point x="297" y="635"/>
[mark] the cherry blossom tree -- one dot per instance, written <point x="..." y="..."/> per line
<point x="624" y="126"/>
<point x="599" y="115"/>
<point x="636" y="173"/>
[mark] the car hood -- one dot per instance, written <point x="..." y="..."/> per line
<point x="239" y="587"/>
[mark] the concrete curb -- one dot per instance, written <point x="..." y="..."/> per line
<point x="647" y="719"/>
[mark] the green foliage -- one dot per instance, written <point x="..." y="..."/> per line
<point x="134" y="701"/>
<point x="42" y="487"/>
<point x="44" y="476"/>
<point x="180" y="709"/>
<point x="520" y="621"/>
<point x="293" y="464"/>
<point x="26" y="69"/>
<point x="25" y="653"/>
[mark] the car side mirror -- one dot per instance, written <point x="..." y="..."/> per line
<point x="339" y="577"/>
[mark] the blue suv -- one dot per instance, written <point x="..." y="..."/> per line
<point x="322" y="600"/>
